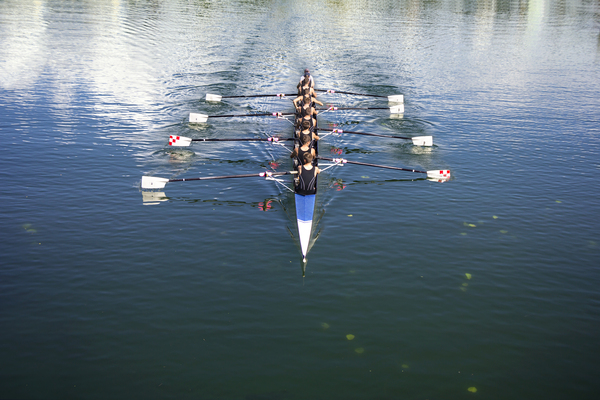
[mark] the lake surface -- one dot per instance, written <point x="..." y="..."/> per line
<point x="485" y="286"/>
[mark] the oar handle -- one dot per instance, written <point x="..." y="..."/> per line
<point x="365" y="133"/>
<point x="370" y="165"/>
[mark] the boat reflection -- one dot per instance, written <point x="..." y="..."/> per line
<point x="155" y="198"/>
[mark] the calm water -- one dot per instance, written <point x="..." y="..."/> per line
<point x="482" y="287"/>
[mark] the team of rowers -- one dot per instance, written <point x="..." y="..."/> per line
<point x="305" y="151"/>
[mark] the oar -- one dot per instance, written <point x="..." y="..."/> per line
<point x="151" y="182"/>
<point x="216" y="97"/>
<point x="417" y="140"/>
<point x="203" y="118"/>
<point x="399" y="109"/>
<point x="182" y="141"/>
<point x="398" y="98"/>
<point x="434" y="174"/>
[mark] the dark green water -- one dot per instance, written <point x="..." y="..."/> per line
<point x="482" y="287"/>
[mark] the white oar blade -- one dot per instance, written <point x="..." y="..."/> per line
<point x="440" y="175"/>
<point x="213" y="97"/>
<point x="399" y="109"/>
<point x="151" y="182"/>
<point x="198" y="118"/>
<point x="398" y="98"/>
<point x="426" y="141"/>
<point x="179" y="141"/>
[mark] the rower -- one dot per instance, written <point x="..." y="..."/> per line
<point x="307" y="176"/>
<point x="306" y="88"/>
<point x="306" y="113"/>
<point x="311" y="119"/>
<point x="303" y="149"/>
<point x="307" y="131"/>
<point x="305" y="101"/>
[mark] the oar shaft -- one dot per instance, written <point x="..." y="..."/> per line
<point x="206" y="178"/>
<point x="353" y="108"/>
<point x="355" y="94"/>
<point x="202" y="118"/>
<point x="248" y="115"/>
<point x="365" y="133"/>
<point x="258" y="95"/>
<point x="374" y="165"/>
<point x="243" y="140"/>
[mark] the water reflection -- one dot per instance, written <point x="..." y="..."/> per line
<point x="153" y="198"/>
<point x="23" y="44"/>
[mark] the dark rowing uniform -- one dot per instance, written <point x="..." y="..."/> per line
<point x="299" y="158"/>
<point x="301" y="112"/>
<point x="301" y="154"/>
<point x="308" y="133"/>
<point x="307" y="181"/>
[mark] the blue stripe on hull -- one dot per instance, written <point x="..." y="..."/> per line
<point x="305" y="207"/>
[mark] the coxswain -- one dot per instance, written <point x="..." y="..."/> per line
<point x="307" y="176"/>
<point x="306" y="78"/>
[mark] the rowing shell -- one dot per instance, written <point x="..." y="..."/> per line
<point x="305" y="210"/>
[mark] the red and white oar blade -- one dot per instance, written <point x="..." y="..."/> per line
<point x="398" y="98"/>
<point x="440" y="175"/>
<point x="399" y="109"/>
<point x="198" y="118"/>
<point x="179" y="141"/>
<point x="426" y="141"/>
<point x="213" y="97"/>
<point x="151" y="182"/>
